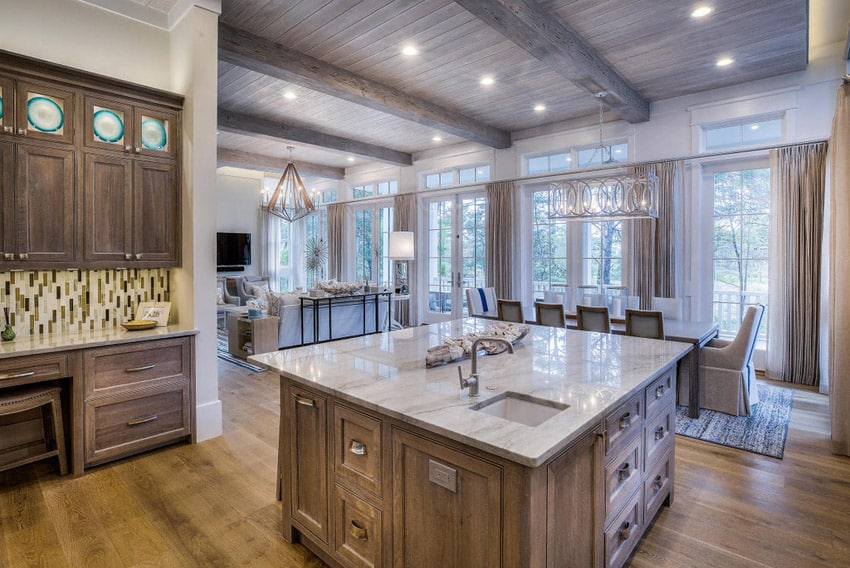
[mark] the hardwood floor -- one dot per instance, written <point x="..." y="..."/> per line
<point x="213" y="504"/>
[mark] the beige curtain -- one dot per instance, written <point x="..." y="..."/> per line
<point x="404" y="219"/>
<point x="337" y="213"/>
<point x="838" y="344"/>
<point x="793" y="353"/>
<point x="653" y="264"/>
<point x="499" y="231"/>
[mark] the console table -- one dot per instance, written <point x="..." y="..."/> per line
<point x="325" y="305"/>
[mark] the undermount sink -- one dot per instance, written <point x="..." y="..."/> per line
<point x="522" y="408"/>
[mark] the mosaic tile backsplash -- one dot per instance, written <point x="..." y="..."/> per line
<point x="51" y="301"/>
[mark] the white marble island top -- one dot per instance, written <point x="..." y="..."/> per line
<point x="385" y="373"/>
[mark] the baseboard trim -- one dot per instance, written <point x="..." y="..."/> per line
<point x="208" y="421"/>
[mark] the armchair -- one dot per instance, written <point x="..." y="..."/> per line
<point x="245" y="284"/>
<point x="726" y="372"/>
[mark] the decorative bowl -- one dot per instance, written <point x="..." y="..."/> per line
<point x="339" y="288"/>
<point x="136" y="325"/>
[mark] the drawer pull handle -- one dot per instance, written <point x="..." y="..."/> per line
<point x="625" y="531"/>
<point x="659" y="391"/>
<point x="142" y="420"/>
<point x="625" y="420"/>
<point x="657" y="483"/>
<point x="659" y="433"/>
<point x="357" y="448"/>
<point x="139" y="368"/>
<point x="19" y="375"/>
<point x="624" y="472"/>
<point x="305" y="401"/>
<point x="357" y="531"/>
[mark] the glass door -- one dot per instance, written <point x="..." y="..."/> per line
<point x="455" y="248"/>
<point x="372" y="227"/>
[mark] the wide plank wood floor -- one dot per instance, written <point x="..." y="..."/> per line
<point x="213" y="503"/>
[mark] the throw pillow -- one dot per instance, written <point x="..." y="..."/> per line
<point x="275" y="303"/>
<point x="260" y="290"/>
<point x="219" y="295"/>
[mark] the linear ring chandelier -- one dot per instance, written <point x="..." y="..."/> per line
<point x="290" y="200"/>
<point x="611" y="196"/>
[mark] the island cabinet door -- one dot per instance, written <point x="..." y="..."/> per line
<point x="309" y="461"/>
<point x="576" y="505"/>
<point x="446" y="506"/>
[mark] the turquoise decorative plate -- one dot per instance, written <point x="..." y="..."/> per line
<point x="107" y="126"/>
<point x="44" y="114"/>
<point x="153" y="135"/>
<point x="1" y="107"/>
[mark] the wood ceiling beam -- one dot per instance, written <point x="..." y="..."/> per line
<point x="263" y="56"/>
<point x="264" y="163"/>
<point x="542" y="34"/>
<point x="254" y="126"/>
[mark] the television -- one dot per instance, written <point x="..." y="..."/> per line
<point x="233" y="249"/>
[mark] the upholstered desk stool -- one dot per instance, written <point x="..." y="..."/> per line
<point x="17" y="400"/>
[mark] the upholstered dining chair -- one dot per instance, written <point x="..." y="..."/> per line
<point x="549" y="314"/>
<point x="727" y="378"/>
<point x="510" y="310"/>
<point x="593" y="318"/>
<point x="481" y="302"/>
<point x="670" y="307"/>
<point x="645" y="323"/>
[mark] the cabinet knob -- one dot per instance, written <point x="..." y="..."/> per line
<point x="138" y="256"/>
<point x="657" y="484"/>
<point x="128" y="148"/>
<point x="23" y="256"/>
<point x="357" y="448"/>
<point x="357" y="531"/>
<point x="659" y="433"/>
<point x="22" y="131"/>
<point x="138" y="150"/>
<point x="659" y="391"/>
<point x="625" y="420"/>
<point x="8" y="129"/>
<point x="128" y="256"/>
<point x="625" y="530"/>
<point x="624" y="471"/>
<point x="9" y="256"/>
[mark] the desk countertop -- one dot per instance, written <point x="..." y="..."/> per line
<point x="591" y="372"/>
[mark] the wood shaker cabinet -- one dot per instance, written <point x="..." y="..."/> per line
<point x="36" y="110"/>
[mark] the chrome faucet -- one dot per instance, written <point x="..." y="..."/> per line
<point x="472" y="381"/>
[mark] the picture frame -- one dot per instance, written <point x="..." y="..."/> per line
<point x="156" y="311"/>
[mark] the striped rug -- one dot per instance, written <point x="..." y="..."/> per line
<point x="763" y="432"/>
<point x="224" y="353"/>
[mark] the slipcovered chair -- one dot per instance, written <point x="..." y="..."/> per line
<point x="481" y="302"/>
<point x="593" y="318"/>
<point x="510" y="310"/>
<point x="645" y="323"/>
<point x="670" y="307"/>
<point x="245" y="287"/>
<point x="727" y="378"/>
<point x="551" y="315"/>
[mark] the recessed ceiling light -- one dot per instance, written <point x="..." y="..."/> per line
<point x="437" y="139"/>
<point x="725" y="61"/>
<point x="351" y="158"/>
<point x="409" y="49"/>
<point x="539" y="107"/>
<point x="290" y="95"/>
<point x="702" y="11"/>
<point x="754" y="127"/>
<point x="569" y="158"/>
<point x="487" y="80"/>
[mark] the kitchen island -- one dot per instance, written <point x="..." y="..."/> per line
<point x="385" y="463"/>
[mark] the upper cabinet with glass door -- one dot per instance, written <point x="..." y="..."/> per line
<point x="112" y="124"/>
<point x="36" y="111"/>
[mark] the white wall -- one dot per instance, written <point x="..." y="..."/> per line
<point x="238" y="209"/>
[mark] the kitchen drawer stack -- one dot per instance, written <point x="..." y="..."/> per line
<point x="137" y="397"/>
<point x="639" y="459"/>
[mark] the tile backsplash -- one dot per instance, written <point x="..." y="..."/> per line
<point x="51" y="301"/>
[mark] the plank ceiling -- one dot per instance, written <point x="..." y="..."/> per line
<point x="653" y="45"/>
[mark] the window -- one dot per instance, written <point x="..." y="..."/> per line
<point x="582" y="157"/>
<point x="284" y="258"/>
<point x="458" y="176"/>
<point x="372" y="226"/>
<point x="603" y="253"/>
<point x="548" y="246"/>
<point x="386" y="187"/>
<point x="740" y="231"/>
<point x="315" y="230"/>
<point x="750" y="133"/>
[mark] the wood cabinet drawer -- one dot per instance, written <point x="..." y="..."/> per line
<point x="623" y="423"/>
<point x="124" y="424"/>
<point x="658" y="484"/>
<point x="33" y="368"/>
<point x="623" y="477"/>
<point x="357" y="450"/>
<point x="660" y="394"/>
<point x="138" y="365"/>
<point x="623" y="533"/>
<point x="358" y="530"/>
<point x="658" y="436"/>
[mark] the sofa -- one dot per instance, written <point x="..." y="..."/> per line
<point x="347" y="318"/>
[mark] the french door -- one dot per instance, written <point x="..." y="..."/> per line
<point x="455" y="248"/>
<point x="372" y="226"/>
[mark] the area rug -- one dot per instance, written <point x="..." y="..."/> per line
<point x="763" y="432"/>
<point x="224" y="353"/>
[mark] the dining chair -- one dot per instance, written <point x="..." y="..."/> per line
<point x="549" y="314"/>
<point x="670" y="307"/>
<point x="510" y="310"/>
<point x="645" y="323"/>
<point x="481" y="302"/>
<point x="593" y="318"/>
<point x="727" y="377"/>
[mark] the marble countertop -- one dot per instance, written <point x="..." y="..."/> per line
<point x="385" y="373"/>
<point x="63" y="341"/>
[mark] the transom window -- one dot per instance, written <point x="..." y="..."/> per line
<point x="750" y="133"/>
<point x="385" y="187"/>
<point x="458" y="176"/>
<point x="581" y="157"/>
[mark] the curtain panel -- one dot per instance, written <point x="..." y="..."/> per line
<point x="337" y="212"/>
<point x="797" y="210"/>
<point x="499" y="237"/>
<point x="838" y="344"/>
<point x="404" y="219"/>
